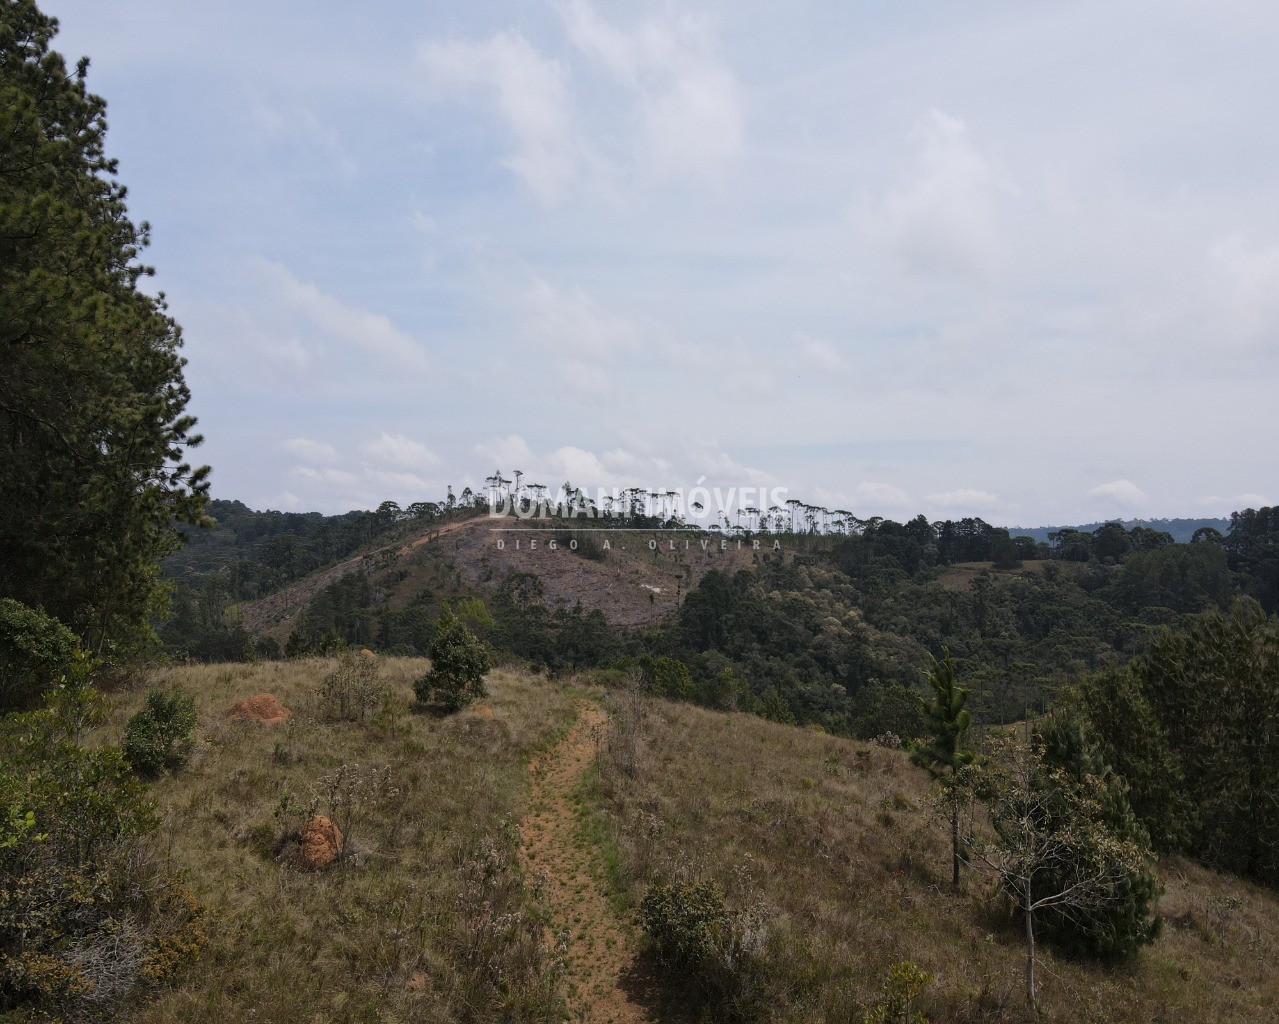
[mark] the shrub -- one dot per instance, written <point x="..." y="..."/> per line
<point x="350" y="691"/>
<point x="667" y="677"/>
<point x="1125" y="918"/>
<point x="696" y="936"/>
<point x="86" y="916"/>
<point x="473" y="614"/>
<point x="159" y="735"/>
<point x="897" y="1005"/>
<point x="687" y="922"/>
<point x="458" y="664"/>
<point x="37" y="652"/>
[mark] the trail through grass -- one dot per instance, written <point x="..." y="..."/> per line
<point x="601" y="975"/>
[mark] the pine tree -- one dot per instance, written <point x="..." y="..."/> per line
<point x="1199" y="740"/>
<point x="946" y="755"/>
<point x="458" y="663"/>
<point x="1122" y="918"/>
<point x="93" y="429"/>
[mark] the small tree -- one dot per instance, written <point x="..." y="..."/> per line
<point x="159" y="735"/>
<point x="351" y="690"/>
<point x="1051" y="850"/>
<point x="1124" y="920"/>
<point x="458" y="664"/>
<point x="944" y="757"/>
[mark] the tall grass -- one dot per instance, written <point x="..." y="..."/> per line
<point x="836" y="845"/>
<point x="425" y="918"/>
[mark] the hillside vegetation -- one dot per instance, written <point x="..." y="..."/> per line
<point x="831" y="846"/>
<point x="834" y="629"/>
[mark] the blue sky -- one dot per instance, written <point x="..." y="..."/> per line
<point x="998" y="259"/>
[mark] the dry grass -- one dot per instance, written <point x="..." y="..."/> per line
<point x="838" y="841"/>
<point x="430" y="918"/>
<point x="427" y="919"/>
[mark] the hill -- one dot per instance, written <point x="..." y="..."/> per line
<point x="831" y="629"/>
<point x="629" y="582"/>
<point x="1181" y="530"/>
<point x="496" y="873"/>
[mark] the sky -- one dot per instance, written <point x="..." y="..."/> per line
<point x="1018" y="261"/>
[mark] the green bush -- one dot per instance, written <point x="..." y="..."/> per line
<point x="37" y="652"/>
<point x="686" y="922"/>
<point x="473" y="614"/>
<point x="159" y="735"/>
<point x="667" y="677"/>
<point x="898" y="1004"/>
<point x="697" y="938"/>
<point x="458" y="664"/>
<point x="87" y="917"/>
<point x="1125" y="920"/>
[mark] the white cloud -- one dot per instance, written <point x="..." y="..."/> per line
<point x="310" y="451"/>
<point x="372" y="332"/>
<point x="506" y="453"/>
<point x="399" y="451"/>
<point x="1245" y="280"/>
<point x="531" y="94"/>
<point x="820" y="354"/>
<point x="965" y="499"/>
<point x="684" y="108"/>
<point x="570" y="322"/>
<point x="421" y="223"/>
<point x="300" y="122"/>
<point x="946" y="220"/>
<point x="408" y="486"/>
<point x="579" y="334"/>
<point x="687" y="101"/>
<point x="328" y="476"/>
<point x="876" y="496"/>
<point x="695" y="125"/>
<point x="1122" y="492"/>
<point x="1250" y="500"/>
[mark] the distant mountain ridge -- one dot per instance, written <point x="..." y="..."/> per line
<point x="1182" y="530"/>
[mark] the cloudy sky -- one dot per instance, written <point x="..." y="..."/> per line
<point x="994" y="258"/>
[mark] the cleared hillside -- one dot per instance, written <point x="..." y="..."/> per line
<point x="636" y="581"/>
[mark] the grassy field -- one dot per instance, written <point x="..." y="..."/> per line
<point x="836" y="846"/>
<point x="429" y="921"/>
<point x="830" y="844"/>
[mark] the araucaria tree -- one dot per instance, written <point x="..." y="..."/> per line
<point x="947" y="722"/>
<point x="1049" y="846"/>
<point x="93" y="430"/>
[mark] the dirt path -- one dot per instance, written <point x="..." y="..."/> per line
<point x="599" y="957"/>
